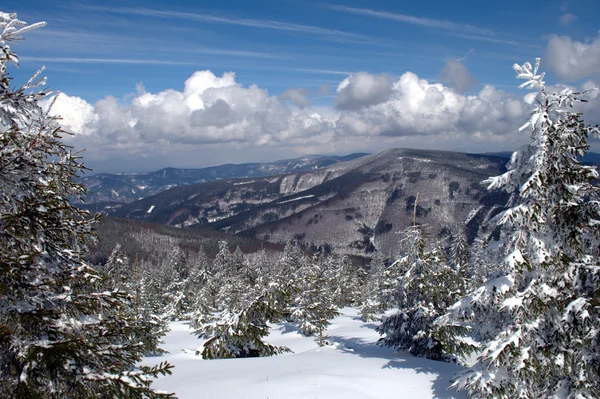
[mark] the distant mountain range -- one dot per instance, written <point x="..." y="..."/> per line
<point x="354" y="206"/>
<point x="129" y="187"/>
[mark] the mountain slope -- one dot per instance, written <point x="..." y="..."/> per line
<point x="354" y="207"/>
<point x="154" y="242"/>
<point x="129" y="187"/>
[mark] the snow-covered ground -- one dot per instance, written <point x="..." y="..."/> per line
<point x="351" y="367"/>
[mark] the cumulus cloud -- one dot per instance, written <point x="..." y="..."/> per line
<point x="567" y="19"/>
<point x="78" y="112"/>
<point x="572" y="60"/>
<point x="363" y="89"/>
<point x="210" y="109"/>
<point x="419" y="108"/>
<point x="214" y="115"/>
<point x="296" y="96"/>
<point x="457" y="76"/>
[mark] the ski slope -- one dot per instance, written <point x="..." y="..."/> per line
<point x="351" y="367"/>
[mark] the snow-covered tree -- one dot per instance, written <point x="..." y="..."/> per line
<point x="61" y="335"/>
<point x="176" y="272"/>
<point x="241" y="330"/>
<point x="117" y="269"/>
<point x="314" y="299"/>
<point x="546" y="296"/>
<point x="372" y="294"/>
<point x="347" y="280"/>
<point x="426" y="287"/>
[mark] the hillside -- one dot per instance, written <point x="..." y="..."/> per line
<point x="152" y="241"/>
<point x="128" y="187"/>
<point x="354" y="207"/>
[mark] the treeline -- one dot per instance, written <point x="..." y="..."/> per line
<point x="154" y="242"/>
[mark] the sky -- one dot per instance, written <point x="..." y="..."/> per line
<point x="149" y="84"/>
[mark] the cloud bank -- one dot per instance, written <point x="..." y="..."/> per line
<point x="214" y="115"/>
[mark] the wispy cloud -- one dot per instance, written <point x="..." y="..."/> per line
<point x="414" y="20"/>
<point x="84" y="60"/>
<point x="318" y="71"/>
<point x="80" y="43"/>
<point x="234" y="53"/>
<point x="485" y="39"/>
<point x="253" y="23"/>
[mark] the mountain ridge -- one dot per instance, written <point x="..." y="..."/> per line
<point x="128" y="187"/>
<point x="351" y="206"/>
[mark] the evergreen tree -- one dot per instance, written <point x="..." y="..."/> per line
<point x="117" y="269"/>
<point x="347" y="280"/>
<point x="61" y="334"/>
<point x="371" y="297"/>
<point x="427" y="286"/>
<point x="314" y="301"/>
<point x="547" y="293"/>
<point x="176" y="280"/>
<point x="240" y="331"/>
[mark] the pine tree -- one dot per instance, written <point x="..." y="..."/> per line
<point x="177" y="305"/>
<point x="347" y="281"/>
<point x="240" y="331"/>
<point x="426" y="287"/>
<point x="117" y="269"/>
<point x="371" y="298"/>
<point x="61" y="335"/>
<point x="548" y="291"/>
<point x="314" y="299"/>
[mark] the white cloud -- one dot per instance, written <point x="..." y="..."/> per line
<point x="572" y="60"/>
<point x="363" y="89"/>
<point x="457" y="76"/>
<point x="296" y="96"/>
<point x="567" y="18"/>
<point x="77" y="111"/>
<point x="210" y="109"/>
<point x="216" y="120"/>
<point x="323" y="33"/>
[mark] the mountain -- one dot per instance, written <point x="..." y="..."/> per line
<point x="355" y="207"/>
<point x="111" y="188"/>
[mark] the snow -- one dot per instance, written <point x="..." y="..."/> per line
<point x="297" y="199"/>
<point x="150" y="209"/>
<point x="244" y="182"/>
<point x="351" y="367"/>
<point x="472" y="214"/>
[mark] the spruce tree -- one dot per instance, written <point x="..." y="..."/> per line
<point x="426" y="286"/>
<point x="314" y="299"/>
<point x="61" y="334"/>
<point x="546" y="297"/>
<point x="371" y="298"/>
<point x="241" y="330"/>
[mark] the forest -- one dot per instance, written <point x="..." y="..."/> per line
<point x="76" y="323"/>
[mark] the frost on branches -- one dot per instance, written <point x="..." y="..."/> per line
<point x="59" y="336"/>
<point x="546" y="300"/>
<point x="426" y="287"/>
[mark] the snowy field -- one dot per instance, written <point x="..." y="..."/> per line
<point x="351" y="367"/>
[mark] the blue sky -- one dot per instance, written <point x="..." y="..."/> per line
<point x="296" y="52"/>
